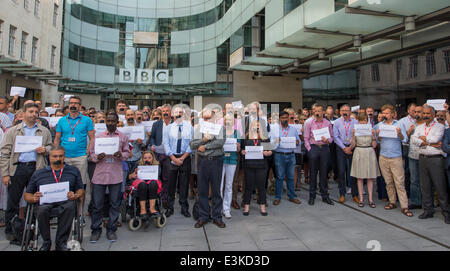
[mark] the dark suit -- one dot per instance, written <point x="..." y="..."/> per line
<point x="446" y="149"/>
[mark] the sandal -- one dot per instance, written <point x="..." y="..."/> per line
<point x="407" y="212"/>
<point x="361" y="204"/>
<point x="372" y="205"/>
<point x="390" y="206"/>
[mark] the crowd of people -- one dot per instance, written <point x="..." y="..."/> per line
<point x="215" y="154"/>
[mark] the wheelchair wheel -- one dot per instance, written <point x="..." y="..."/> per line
<point x="161" y="221"/>
<point x="135" y="224"/>
<point x="78" y="230"/>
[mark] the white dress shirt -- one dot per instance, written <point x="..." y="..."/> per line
<point x="434" y="133"/>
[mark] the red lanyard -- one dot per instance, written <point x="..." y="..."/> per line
<point x="426" y="133"/>
<point x="60" y="174"/>
<point x="411" y="119"/>
<point x="346" y="128"/>
<point x="75" y="124"/>
<point x="255" y="142"/>
<point x="285" y="133"/>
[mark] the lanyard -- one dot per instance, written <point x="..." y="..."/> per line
<point x="426" y="133"/>
<point x="60" y="174"/>
<point x="255" y="142"/>
<point x="73" y="128"/>
<point x="346" y="128"/>
<point x="411" y="119"/>
<point x="287" y="131"/>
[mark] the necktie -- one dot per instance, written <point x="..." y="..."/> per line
<point x="179" y="140"/>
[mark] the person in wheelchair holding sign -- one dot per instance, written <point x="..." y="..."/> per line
<point x="147" y="190"/>
<point x="56" y="173"/>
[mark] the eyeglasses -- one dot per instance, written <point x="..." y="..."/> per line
<point x="73" y="103"/>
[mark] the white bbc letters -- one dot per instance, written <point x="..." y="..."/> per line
<point x="144" y="76"/>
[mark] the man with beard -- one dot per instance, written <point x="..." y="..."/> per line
<point x="72" y="132"/>
<point x="415" y="198"/>
<point x="57" y="172"/>
<point x="405" y="124"/>
<point x="371" y="119"/>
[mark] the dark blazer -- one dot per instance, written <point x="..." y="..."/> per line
<point x="156" y="137"/>
<point x="446" y="147"/>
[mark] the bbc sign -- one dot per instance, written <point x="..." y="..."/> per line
<point x="144" y="76"/>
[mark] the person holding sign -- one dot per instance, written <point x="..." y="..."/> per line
<point x="255" y="170"/>
<point x="135" y="145"/>
<point x="286" y="140"/>
<point x="428" y="137"/>
<point x="364" y="164"/>
<point x="176" y="144"/>
<point x="342" y="135"/>
<point x="17" y="168"/>
<point x="318" y="135"/>
<point x="210" y="159"/>
<point x="390" y="135"/>
<point x="230" y="160"/>
<point x="108" y="174"/>
<point x="56" y="173"/>
<point x="147" y="190"/>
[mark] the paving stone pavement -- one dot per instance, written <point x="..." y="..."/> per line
<point x="288" y="227"/>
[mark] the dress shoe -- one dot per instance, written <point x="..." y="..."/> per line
<point x="341" y="199"/>
<point x="219" y="223"/>
<point x="264" y="213"/>
<point x="95" y="235"/>
<point x="235" y="205"/>
<point x="63" y="247"/>
<point x="413" y="206"/>
<point x="276" y="202"/>
<point x="426" y="215"/>
<point x="328" y="201"/>
<point x="246" y="213"/>
<point x="169" y="212"/>
<point x="186" y="213"/>
<point x="111" y="236"/>
<point x="295" y="200"/>
<point x="200" y="224"/>
<point x="46" y="246"/>
<point x="311" y="202"/>
<point x="356" y="199"/>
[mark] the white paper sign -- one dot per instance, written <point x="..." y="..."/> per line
<point x="67" y="97"/>
<point x="148" y="125"/>
<point x="230" y="145"/>
<point x="388" y="131"/>
<point x="100" y="128"/>
<point x="355" y="108"/>
<point x="237" y="104"/>
<point x="147" y="173"/>
<point x="363" y="130"/>
<point x="122" y="118"/>
<point x="134" y="107"/>
<point x="55" y="192"/>
<point x="288" y="142"/>
<point x="437" y="104"/>
<point x="50" y="110"/>
<point x="18" y="91"/>
<point x="136" y="132"/>
<point x="107" y="145"/>
<point x="254" y="152"/>
<point x="27" y="143"/>
<point x="52" y="121"/>
<point x="321" y="132"/>
<point x="298" y="127"/>
<point x="210" y="128"/>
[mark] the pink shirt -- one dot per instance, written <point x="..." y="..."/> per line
<point x="109" y="170"/>
<point x="312" y="125"/>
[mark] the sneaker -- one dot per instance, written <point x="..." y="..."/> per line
<point x="95" y="235"/>
<point x="227" y="215"/>
<point x="111" y="236"/>
<point x="349" y="191"/>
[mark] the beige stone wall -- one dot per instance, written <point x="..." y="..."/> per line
<point x="265" y="89"/>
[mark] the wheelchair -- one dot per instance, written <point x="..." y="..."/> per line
<point x="131" y="207"/>
<point x="30" y="238"/>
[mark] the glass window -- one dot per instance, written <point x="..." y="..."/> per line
<point x="147" y="25"/>
<point x="12" y="40"/>
<point x="375" y="72"/>
<point x="412" y="67"/>
<point x="55" y="14"/>
<point x="34" y="48"/>
<point x="431" y="64"/>
<point x="290" y="5"/>
<point x="53" y="57"/>
<point x="36" y="7"/>
<point x="23" y="45"/>
<point x="1" y="35"/>
<point x="447" y="60"/>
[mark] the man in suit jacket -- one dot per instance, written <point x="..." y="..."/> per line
<point x="157" y="146"/>
<point x="446" y="149"/>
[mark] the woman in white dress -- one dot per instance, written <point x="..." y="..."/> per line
<point x="364" y="162"/>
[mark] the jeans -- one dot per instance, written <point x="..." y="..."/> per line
<point x="381" y="188"/>
<point x="227" y="176"/>
<point x="415" y="194"/>
<point x="115" y="199"/>
<point x="344" y="162"/>
<point x="285" y="166"/>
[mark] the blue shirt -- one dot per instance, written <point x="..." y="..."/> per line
<point x="342" y="136"/>
<point x="391" y="147"/>
<point x="28" y="156"/>
<point x="289" y="132"/>
<point x="45" y="176"/>
<point x="78" y="147"/>
<point x="171" y="138"/>
<point x="10" y="115"/>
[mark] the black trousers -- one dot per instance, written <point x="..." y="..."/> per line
<point x="65" y="212"/>
<point x="344" y="163"/>
<point x="15" y="191"/>
<point x="432" y="174"/>
<point x="319" y="158"/>
<point x="255" y="178"/>
<point x="163" y="162"/>
<point x="333" y="160"/>
<point x="209" y="173"/>
<point x="147" y="191"/>
<point x="181" y="175"/>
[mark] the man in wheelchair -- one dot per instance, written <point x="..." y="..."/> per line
<point x="65" y="210"/>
